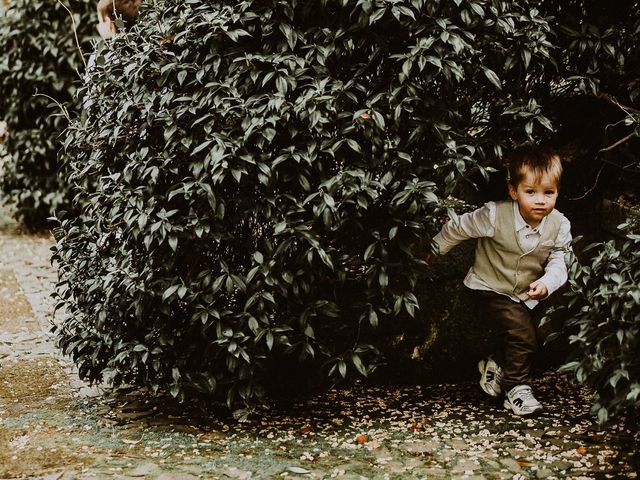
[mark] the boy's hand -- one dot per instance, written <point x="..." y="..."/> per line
<point x="537" y="290"/>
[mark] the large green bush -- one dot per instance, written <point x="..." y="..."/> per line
<point x="601" y="314"/>
<point x="258" y="180"/>
<point x="40" y="67"/>
<point x="603" y="307"/>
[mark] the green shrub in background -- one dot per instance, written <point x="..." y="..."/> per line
<point x="266" y="176"/>
<point x="601" y="312"/>
<point x="40" y="64"/>
<point x="597" y="125"/>
<point x="596" y="45"/>
<point x="603" y="307"/>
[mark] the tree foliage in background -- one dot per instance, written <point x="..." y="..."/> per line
<point x="596" y="44"/>
<point x="40" y="65"/>
<point x="597" y="52"/>
<point x="265" y="176"/>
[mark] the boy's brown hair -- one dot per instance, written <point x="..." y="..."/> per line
<point x="538" y="160"/>
<point x="127" y="9"/>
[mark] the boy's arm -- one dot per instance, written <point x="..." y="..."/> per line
<point x="479" y="223"/>
<point x="556" y="269"/>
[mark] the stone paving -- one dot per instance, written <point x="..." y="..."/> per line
<point x="53" y="426"/>
<point x="26" y="279"/>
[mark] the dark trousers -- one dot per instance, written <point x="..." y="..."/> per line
<point x="515" y="342"/>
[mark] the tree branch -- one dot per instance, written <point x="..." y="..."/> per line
<point x="618" y="143"/>
<point x="75" y="33"/>
<point x="614" y="101"/>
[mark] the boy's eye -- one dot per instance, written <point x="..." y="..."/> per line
<point x="550" y="192"/>
<point x="529" y="192"/>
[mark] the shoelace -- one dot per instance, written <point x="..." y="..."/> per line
<point x="526" y="394"/>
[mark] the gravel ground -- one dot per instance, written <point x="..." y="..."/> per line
<point x="53" y="426"/>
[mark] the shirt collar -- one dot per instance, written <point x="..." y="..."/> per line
<point x="520" y="223"/>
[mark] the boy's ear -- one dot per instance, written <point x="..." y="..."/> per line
<point x="512" y="192"/>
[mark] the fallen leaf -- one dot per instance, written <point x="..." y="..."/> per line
<point x="416" y="426"/>
<point x="362" y="438"/>
<point x="167" y="39"/>
<point x="581" y="450"/>
<point x="298" y="470"/>
<point x="304" y="430"/>
<point x="523" y="463"/>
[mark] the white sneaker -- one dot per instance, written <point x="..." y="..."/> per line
<point x="491" y="377"/>
<point x="521" y="401"/>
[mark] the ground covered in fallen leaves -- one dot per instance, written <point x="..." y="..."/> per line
<point x="54" y="427"/>
<point x="435" y="431"/>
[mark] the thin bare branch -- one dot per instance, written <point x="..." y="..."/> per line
<point x="595" y="183"/>
<point x="75" y="33"/>
<point x="602" y="150"/>
<point x="614" y="101"/>
<point x="618" y="143"/>
<point x="63" y="109"/>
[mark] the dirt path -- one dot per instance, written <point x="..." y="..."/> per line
<point x="52" y="426"/>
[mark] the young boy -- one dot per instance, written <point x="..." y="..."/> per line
<point x="110" y="10"/>
<point x="519" y="261"/>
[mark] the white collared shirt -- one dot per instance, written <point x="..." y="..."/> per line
<point x="481" y="223"/>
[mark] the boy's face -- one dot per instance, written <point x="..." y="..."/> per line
<point x="536" y="197"/>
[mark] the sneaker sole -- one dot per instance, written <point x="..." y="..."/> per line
<point x="510" y="407"/>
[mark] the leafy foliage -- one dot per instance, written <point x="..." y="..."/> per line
<point x="597" y="110"/>
<point x="258" y="180"/>
<point x="602" y="315"/>
<point x="261" y="174"/>
<point x="596" y="43"/>
<point x="39" y="66"/>
<point x="604" y="327"/>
